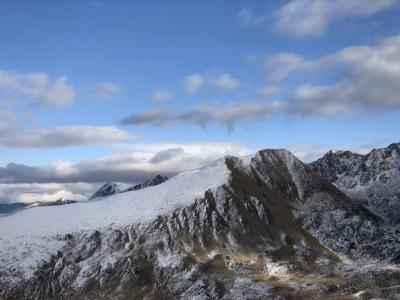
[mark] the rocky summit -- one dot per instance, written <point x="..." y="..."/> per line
<point x="112" y="188"/>
<point x="265" y="226"/>
<point x="372" y="180"/>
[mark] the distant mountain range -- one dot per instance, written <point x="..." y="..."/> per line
<point x="372" y="180"/>
<point x="107" y="189"/>
<point x="265" y="226"/>
<point x="112" y="188"/>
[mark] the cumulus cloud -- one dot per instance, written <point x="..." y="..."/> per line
<point x="192" y="83"/>
<point x="202" y="116"/>
<point x="105" y="90"/>
<point x="311" y="18"/>
<point x="225" y="82"/>
<point x="38" y="88"/>
<point x="370" y="79"/>
<point x="160" y="96"/>
<point x="131" y="163"/>
<point x="64" y="136"/>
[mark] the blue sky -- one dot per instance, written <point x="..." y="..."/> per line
<point x="89" y="84"/>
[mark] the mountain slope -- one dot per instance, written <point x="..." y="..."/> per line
<point x="240" y="228"/>
<point x="372" y="180"/>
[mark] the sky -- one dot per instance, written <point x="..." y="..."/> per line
<point x="98" y="91"/>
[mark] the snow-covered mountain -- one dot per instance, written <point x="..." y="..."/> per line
<point x="373" y="180"/>
<point x="259" y="227"/>
<point x="112" y="188"/>
<point x="108" y="189"/>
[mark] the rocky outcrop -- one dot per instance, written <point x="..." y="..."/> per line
<point x="112" y="188"/>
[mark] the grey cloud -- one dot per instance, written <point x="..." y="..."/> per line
<point x="157" y="115"/>
<point x="64" y="136"/>
<point x="203" y="116"/>
<point x="166" y="155"/>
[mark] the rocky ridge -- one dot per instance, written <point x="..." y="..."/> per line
<point x="372" y="180"/>
<point x="112" y="188"/>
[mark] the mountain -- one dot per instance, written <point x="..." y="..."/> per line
<point x="8" y="208"/>
<point x="372" y="180"/>
<point x="112" y="188"/>
<point x="108" y="189"/>
<point x="258" y="227"/>
<point x="158" y="179"/>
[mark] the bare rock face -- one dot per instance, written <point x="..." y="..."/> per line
<point x="273" y="229"/>
<point x="372" y="180"/>
<point x="156" y="180"/>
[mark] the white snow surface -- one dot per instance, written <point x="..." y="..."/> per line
<point x="28" y="237"/>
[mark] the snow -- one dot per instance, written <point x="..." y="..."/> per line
<point x="30" y="236"/>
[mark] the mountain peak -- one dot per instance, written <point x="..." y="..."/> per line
<point x="112" y="188"/>
<point x="371" y="179"/>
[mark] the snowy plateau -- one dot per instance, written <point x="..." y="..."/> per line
<point x="266" y="226"/>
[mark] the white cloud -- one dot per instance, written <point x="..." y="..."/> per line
<point x="38" y="88"/>
<point x="63" y="136"/>
<point x="192" y="83"/>
<point x="129" y="163"/>
<point x="225" y="82"/>
<point x="369" y="79"/>
<point x="311" y="18"/>
<point x="160" y="96"/>
<point x="105" y="90"/>
<point x="280" y="65"/>
<point x="302" y="18"/>
<point x="57" y="93"/>
<point x="44" y="192"/>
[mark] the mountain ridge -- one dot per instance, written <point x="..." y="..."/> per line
<point x="371" y="179"/>
<point x="238" y="228"/>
